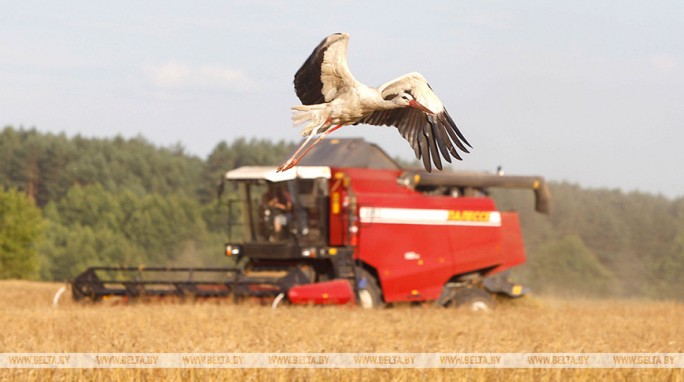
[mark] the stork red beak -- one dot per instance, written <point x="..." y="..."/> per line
<point x="417" y="105"/>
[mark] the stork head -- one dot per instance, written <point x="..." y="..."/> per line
<point x="405" y="99"/>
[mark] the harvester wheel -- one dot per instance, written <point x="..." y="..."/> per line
<point x="473" y="298"/>
<point x="369" y="293"/>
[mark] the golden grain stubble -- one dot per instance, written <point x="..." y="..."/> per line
<point x="31" y="324"/>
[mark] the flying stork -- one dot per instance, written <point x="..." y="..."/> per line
<point x="331" y="98"/>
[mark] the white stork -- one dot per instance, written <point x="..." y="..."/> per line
<point x="331" y="96"/>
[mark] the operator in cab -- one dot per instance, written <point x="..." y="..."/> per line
<point x="279" y="202"/>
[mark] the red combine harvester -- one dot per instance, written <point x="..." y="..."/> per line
<point x="348" y="225"/>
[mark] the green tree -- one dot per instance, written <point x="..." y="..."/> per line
<point x="670" y="270"/>
<point x="241" y="152"/>
<point x="21" y="224"/>
<point x="92" y="226"/>
<point x="567" y="267"/>
<point x="71" y="250"/>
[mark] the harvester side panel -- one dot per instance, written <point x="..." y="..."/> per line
<point x="475" y="246"/>
<point x="513" y="248"/>
<point x="417" y="243"/>
<point x="409" y="263"/>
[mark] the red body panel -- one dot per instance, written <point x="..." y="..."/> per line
<point x="512" y="242"/>
<point x="417" y="242"/>
<point x="329" y="292"/>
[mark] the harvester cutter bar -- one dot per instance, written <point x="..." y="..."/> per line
<point x="133" y="282"/>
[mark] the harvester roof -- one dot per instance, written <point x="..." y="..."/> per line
<point x="269" y="173"/>
<point x="350" y="152"/>
<point x="340" y="153"/>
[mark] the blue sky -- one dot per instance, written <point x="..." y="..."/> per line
<point x="588" y="92"/>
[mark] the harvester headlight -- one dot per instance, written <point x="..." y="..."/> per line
<point x="516" y="290"/>
<point x="232" y="250"/>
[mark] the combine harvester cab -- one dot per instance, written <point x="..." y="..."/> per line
<point x="348" y="225"/>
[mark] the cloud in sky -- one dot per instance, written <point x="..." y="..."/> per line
<point x="489" y="19"/>
<point x="663" y="62"/>
<point x="181" y="76"/>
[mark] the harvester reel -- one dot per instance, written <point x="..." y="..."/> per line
<point x="277" y="300"/>
<point x="58" y="295"/>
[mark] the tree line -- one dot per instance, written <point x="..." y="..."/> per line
<point x="67" y="203"/>
<point x="601" y="242"/>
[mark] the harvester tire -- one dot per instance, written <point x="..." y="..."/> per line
<point x="474" y="299"/>
<point x="369" y="294"/>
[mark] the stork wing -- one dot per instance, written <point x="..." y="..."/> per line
<point x="428" y="134"/>
<point x="325" y="73"/>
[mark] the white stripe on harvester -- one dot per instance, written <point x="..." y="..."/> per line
<point x="429" y="216"/>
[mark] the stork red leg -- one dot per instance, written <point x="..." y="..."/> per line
<point x="294" y="159"/>
<point x="325" y="134"/>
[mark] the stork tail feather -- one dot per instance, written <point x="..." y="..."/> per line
<point x="313" y="117"/>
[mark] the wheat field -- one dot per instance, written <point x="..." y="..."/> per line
<point x="30" y="324"/>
